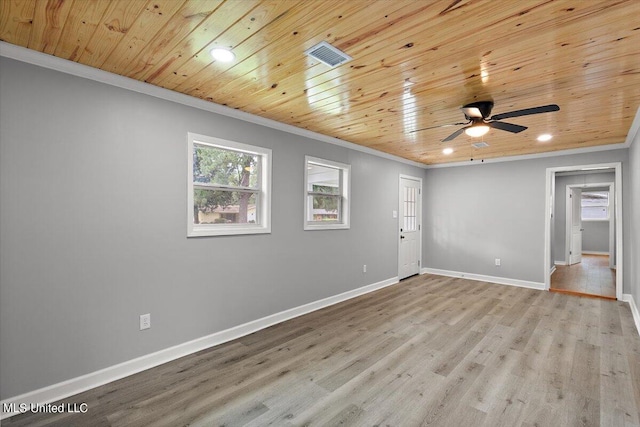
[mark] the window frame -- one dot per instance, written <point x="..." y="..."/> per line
<point x="345" y="195"/>
<point x="263" y="202"/>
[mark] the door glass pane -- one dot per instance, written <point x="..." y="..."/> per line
<point x="410" y="220"/>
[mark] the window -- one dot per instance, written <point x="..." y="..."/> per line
<point x="229" y="186"/>
<point x="326" y="186"/>
<point x="595" y="205"/>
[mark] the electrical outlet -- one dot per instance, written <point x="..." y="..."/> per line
<point x="364" y="268"/>
<point x="145" y="321"/>
<point x="498" y="262"/>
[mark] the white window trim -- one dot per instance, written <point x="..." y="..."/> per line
<point x="346" y="195"/>
<point x="264" y="210"/>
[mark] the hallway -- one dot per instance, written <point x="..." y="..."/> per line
<point x="592" y="276"/>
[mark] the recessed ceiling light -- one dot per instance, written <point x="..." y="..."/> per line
<point x="447" y="151"/>
<point x="544" y="137"/>
<point x="222" y="54"/>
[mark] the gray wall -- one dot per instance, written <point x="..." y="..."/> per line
<point x="591" y="237"/>
<point x="595" y="237"/>
<point x="632" y="230"/>
<point x="474" y="214"/>
<point x="93" y="229"/>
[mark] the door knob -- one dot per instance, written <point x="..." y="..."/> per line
<point x="402" y="237"/>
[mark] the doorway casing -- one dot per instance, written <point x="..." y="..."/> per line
<point x="550" y="208"/>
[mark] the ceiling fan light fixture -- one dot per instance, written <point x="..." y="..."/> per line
<point x="544" y="137"/>
<point x="447" y="151"/>
<point x="477" y="130"/>
<point x="222" y="54"/>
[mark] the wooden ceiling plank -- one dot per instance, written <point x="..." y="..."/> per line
<point x="257" y="53"/>
<point x="390" y="72"/>
<point x="187" y="19"/>
<point x="153" y="18"/>
<point x="81" y="23"/>
<point x="117" y="20"/>
<point x="365" y="28"/>
<point x="393" y="41"/>
<point x="466" y="53"/>
<point x="16" y="21"/>
<point x="292" y="55"/>
<point x="274" y="26"/>
<point x="380" y="107"/>
<point x="48" y="22"/>
<point x="292" y="86"/>
<point x="185" y="52"/>
<point x="533" y="81"/>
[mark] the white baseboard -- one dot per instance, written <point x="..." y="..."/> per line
<point x="634" y="309"/>
<point x="86" y="382"/>
<point x="594" y="253"/>
<point x="559" y="262"/>
<point x="483" y="278"/>
<point x="553" y="270"/>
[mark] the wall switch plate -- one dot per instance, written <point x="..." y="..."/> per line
<point x="394" y="214"/>
<point x="498" y="262"/>
<point x="145" y="321"/>
<point x="364" y="268"/>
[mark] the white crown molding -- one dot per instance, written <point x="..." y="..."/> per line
<point x="80" y="70"/>
<point x="91" y="380"/>
<point x="483" y="278"/>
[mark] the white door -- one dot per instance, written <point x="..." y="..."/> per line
<point x="409" y="227"/>
<point x="575" y="248"/>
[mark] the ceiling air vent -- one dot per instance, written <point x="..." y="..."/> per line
<point x="480" y="144"/>
<point x="328" y="54"/>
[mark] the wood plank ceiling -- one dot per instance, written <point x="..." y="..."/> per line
<point x="416" y="62"/>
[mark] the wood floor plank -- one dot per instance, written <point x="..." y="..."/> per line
<point x="449" y="396"/>
<point x="506" y="408"/>
<point x="591" y="276"/>
<point x="431" y="350"/>
<point x="585" y="376"/>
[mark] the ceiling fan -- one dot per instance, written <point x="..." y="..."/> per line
<point x="479" y="121"/>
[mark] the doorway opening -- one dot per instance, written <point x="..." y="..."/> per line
<point x="583" y="230"/>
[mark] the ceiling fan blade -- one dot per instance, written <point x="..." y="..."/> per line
<point x="472" y="112"/>
<point x="527" y="112"/>
<point x="439" y="126"/>
<point x="509" y="127"/>
<point x="454" y="135"/>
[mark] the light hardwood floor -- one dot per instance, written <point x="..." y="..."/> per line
<point x="429" y="351"/>
<point x="591" y="276"/>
